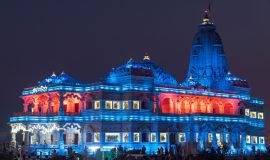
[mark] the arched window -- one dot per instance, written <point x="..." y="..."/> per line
<point x="76" y="138"/>
<point x="31" y="107"/>
<point x="52" y="108"/>
<point x="167" y="105"/>
<point x="39" y="108"/>
<point x="77" y="107"/>
<point x="228" y="108"/>
<point x="65" y="108"/>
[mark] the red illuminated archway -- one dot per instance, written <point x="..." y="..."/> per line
<point x="167" y="106"/>
<point x="228" y="108"/>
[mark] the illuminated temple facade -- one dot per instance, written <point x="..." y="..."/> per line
<point x="140" y="104"/>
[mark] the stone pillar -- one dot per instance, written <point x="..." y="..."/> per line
<point x="13" y="139"/>
<point x="61" y="104"/>
<point x="36" y="108"/>
<point x="83" y="136"/>
<point x="49" y="105"/>
<point x="26" y="137"/>
<point x="231" y="136"/>
<point x="23" y="135"/>
<point x="214" y="141"/>
<point x="61" y="139"/>
<point x="237" y="140"/>
<point x="201" y="140"/>
<point x="243" y="140"/>
<point x="83" y="101"/>
<point x="158" y="106"/>
<point x="25" y="107"/>
<point x="168" y="140"/>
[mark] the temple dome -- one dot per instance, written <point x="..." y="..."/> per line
<point x="207" y="34"/>
<point x="145" y="68"/>
<point x="63" y="79"/>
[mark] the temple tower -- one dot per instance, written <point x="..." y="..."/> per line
<point x="208" y="65"/>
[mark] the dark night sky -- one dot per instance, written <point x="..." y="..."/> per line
<point x="88" y="38"/>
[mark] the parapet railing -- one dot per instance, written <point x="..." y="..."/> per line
<point x="46" y="114"/>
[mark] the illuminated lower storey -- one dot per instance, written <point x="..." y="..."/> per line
<point x="192" y="132"/>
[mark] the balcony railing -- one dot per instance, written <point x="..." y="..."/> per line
<point x="16" y="114"/>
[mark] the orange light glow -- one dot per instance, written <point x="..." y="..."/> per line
<point x="183" y="104"/>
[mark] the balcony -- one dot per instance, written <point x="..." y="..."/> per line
<point x="18" y="114"/>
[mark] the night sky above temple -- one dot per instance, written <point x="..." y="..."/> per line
<point x="87" y="39"/>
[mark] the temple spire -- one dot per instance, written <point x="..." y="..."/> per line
<point x="53" y="74"/>
<point x="146" y="56"/>
<point x="207" y="15"/>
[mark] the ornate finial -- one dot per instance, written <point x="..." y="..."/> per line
<point x="63" y="72"/>
<point x="146" y="56"/>
<point x="207" y="15"/>
<point x="130" y="60"/>
<point x="190" y="77"/>
<point x="53" y="74"/>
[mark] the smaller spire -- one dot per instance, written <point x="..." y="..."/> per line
<point x="190" y="77"/>
<point x="53" y="74"/>
<point x="146" y="56"/>
<point x="63" y="72"/>
<point x="130" y="60"/>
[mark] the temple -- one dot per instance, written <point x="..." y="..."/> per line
<point x="140" y="104"/>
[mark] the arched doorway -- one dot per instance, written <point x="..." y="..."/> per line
<point x="31" y="107"/>
<point x="167" y="106"/>
<point x="228" y="108"/>
<point x="72" y="103"/>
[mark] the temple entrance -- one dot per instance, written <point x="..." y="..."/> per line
<point x="76" y="138"/>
